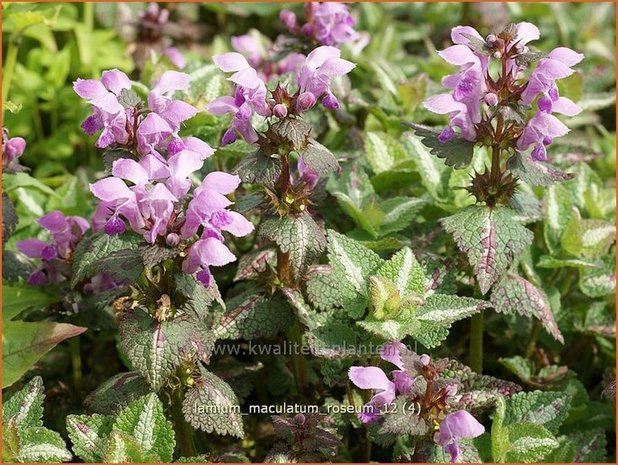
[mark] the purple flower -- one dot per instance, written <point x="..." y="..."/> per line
<point x="249" y="97"/>
<point x="65" y="232"/>
<point x="456" y="426"/>
<point x="174" y="55"/>
<point x="172" y="111"/>
<point x="108" y="114"/>
<point x="320" y="67"/>
<point x="249" y="46"/>
<point x="543" y="127"/>
<point x="12" y="149"/>
<point x="445" y="104"/>
<point x="374" y="378"/>
<point x="557" y="65"/>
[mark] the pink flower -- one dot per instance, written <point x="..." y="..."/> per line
<point x="456" y="426"/>
<point x="320" y="67"/>
<point x="66" y="232"/>
<point x="173" y="112"/>
<point x="12" y="149"/>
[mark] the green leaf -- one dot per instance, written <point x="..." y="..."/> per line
<point x="25" y="407"/>
<point x="558" y="204"/>
<point x="213" y="407"/>
<point x="349" y="258"/>
<point x="123" y="448"/>
<point x="590" y="446"/>
<point x="291" y="132"/>
<point x="516" y="295"/>
<point x="434" y="175"/>
<point x="319" y="158"/>
<point x="399" y="213"/>
<point x="587" y="238"/>
<point x="42" y="445"/>
<point x="156" y="348"/>
<point x="491" y="239"/>
<point x="529" y="443"/>
<point x="545" y="408"/>
<point x="17" y="299"/>
<point x="117" y="255"/>
<point x="17" y="180"/>
<point x="402" y="419"/>
<point x="89" y="435"/>
<point x="117" y="392"/>
<point x="598" y="282"/>
<point x="521" y="442"/>
<point x="128" y="98"/>
<point x="24" y="437"/>
<point x="252" y="315"/>
<point x="456" y="153"/>
<point x="300" y="236"/>
<point x="383" y="151"/>
<point x="405" y="272"/>
<point x="535" y="173"/>
<point x="259" y="168"/>
<point x="145" y="421"/>
<point x="9" y="218"/>
<point x="25" y="343"/>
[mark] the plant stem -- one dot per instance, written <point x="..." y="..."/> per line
<point x="476" y="342"/>
<point x="9" y="68"/>
<point x="76" y="361"/>
<point x="534" y="334"/>
<point x="184" y="432"/>
<point x="295" y="335"/>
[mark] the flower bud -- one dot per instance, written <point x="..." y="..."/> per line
<point x="491" y="40"/>
<point x="228" y="137"/>
<point x="491" y="99"/>
<point x="305" y="101"/>
<point x="172" y="239"/>
<point x="37" y="278"/>
<point x="288" y="18"/>
<point x="49" y="253"/>
<point x="330" y="101"/>
<point x="280" y="110"/>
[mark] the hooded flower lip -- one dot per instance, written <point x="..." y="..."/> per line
<point x="374" y="378"/>
<point x="320" y="67"/>
<point x="456" y="426"/>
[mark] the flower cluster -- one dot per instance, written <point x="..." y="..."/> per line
<point x="56" y="254"/>
<point x="475" y="95"/>
<point x="12" y="149"/>
<point x="327" y="23"/>
<point x="148" y="130"/>
<point x="434" y="398"/>
<point x="152" y="193"/>
<point x="313" y="80"/>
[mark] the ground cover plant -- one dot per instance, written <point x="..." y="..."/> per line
<point x="308" y="232"/>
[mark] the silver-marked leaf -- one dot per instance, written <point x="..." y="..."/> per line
<point x="117" y="392"/>
<point x="252" y="315"/>
<point x="156" y="348"/>
<point x="405" y="272"/>
<point x="383" y="151"/>
<point x="546" y="408"/>
<point x="457" y="152"/>
<point x="42" y="445"/>
<point x="124" y="448"/>
<point x="434" y="175"/>
<point x="399" y="213"/>
<point x="514" y="294"/>
<point x="300" y="236"/>
<point x="213" y="407"/>
<point x="590" y="446"/>
<point x="117" y="255"/>
<point x="25" y="407"/>
<point x="585" y="238"/>
<point x="352" y="260"/>
<point x="558" y="203"/>
<point x="319" y="159"/>
<point x="259" y="168"/>
<point x="491" y="239"/>
<point x="535" y="173"/>
<point x="89" y="435"/>
<point x="444" y="309"/>
<point x="145" y="422"/>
